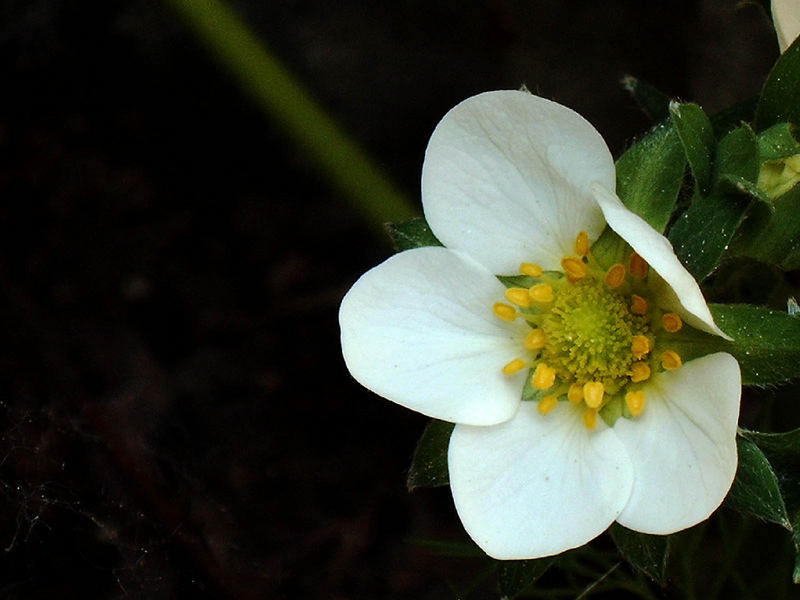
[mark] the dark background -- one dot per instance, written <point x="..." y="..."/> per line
<point x="175" y="416"/>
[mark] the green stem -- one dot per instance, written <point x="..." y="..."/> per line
<point x="342" y="161"/>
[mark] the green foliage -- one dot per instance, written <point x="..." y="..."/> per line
<point x="646" y="553"/>
<point x="415" y="233"/>
<point x="779" y="141"/>
<point x="697" y="138"/>
<point x="513" y="576"/>
<point x="778" y="101"/>
<point x="429" y="465"/>
<point x="652" y="102"/>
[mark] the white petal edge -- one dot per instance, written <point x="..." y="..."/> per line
<point x="683" y="447"/>
<point x="419" y="330"/>
<point x="537" y="485"/>
<point x="786" y="17"/>
<point x="675" y="287"/>
<point x="506" y="179"/>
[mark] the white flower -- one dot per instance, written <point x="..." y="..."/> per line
<point x="515" y="182"/>
<point x="786" y="18"/>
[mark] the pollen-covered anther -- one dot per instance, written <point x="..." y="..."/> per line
<point x="672" y="322"/>
<point x="535" y="340"/>
<point x="514" y="366"/>
<point x="541" y="293"/>
<point x="574" y="268"/>
<point x="518" y="296"/>
<point x="615" y="276"/>
<point x="547" y="403"/>
<point x="531" y="269"/>
<point x="670" y="360"/>
<point x="575" y="393"/>
<point x="640" y="346"/>
<point x="637" y="266"/>
<point x="504" y="311"/>
<point x="543" y="377"/>
<point x="635" y="402"/>
<point x="593" y="392"/>
<point x="638" y="305"/>
<point x="640" y="371"/>
<point x="582" y="244"/>
<point x="590" y="418"/>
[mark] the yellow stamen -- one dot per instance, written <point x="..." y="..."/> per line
<point x="543" y="377"/>
<point x="635" y="401"/>
<point x="504" y="311"/>
<point x="638" y="304"/>
<point x="582" y="244"/>
<point x="637" y="266"/>
<point x="518" y="296"/>
<point x="590" y="418"/>
<point x="547" y="404"/>
<point x="670" y="360"/>
<point x="575" y="393"/>
<point x="531" y="269"/>
<point x="535" y="340"/>
<point x="514" y="366"/>
<point x="541" y="293"/>
<point x="640" y="346"/>
<point x="672" y="322"/>
<point x="575" y="268"/>
<point x="615" y="276"/>
<point x="640" y="371"/>
<point x="593" y="394"/>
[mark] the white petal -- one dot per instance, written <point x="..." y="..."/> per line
<point x="676" y="288"/>
<point x="506" y="179"/>
<point x="537" y="485"/>
<point x="786" y="17"/>
<point x="683" y="446"/>
<point x="419" y="330"/>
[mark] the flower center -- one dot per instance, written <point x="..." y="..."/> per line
<point x="595" y="334"/>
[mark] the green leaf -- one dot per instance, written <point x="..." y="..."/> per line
<point x="737" y="155"/>
<point x="652" y="102"/>
<point x="771" y="233"/>
<point x="755" y="489"/>
<point x="782" y="450"/>
<point x="429" y="465"/>
<point x="778" y="141"/>
<point x="649" y="178"/>
<point x="765" y="342"/>
<point x="733" y="116"/>
<point x="650" y="175"/>
<point x="646" y="553"/>
<point x="778" y="102"/>
<point x="411" y="234"/>
<point x="702" y="234"/>
<point x="697" y="137"/>
<point x="513" y="576"/>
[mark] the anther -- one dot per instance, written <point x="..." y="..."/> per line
<point x="640" y="346"/>
<point x="670" y="360"/>
<point x="582" y="244"/>
<point x="615" y="276"/>
<point x="514" y="366"/>
<point x="637" y="266"/>
<point x="575" y="393"/>
<point x="575" y="268"/>
<point x="543" y="377"/>
<point x="541" y="293"/>
<point x="590" y="418"/>
<point x="638" y="304"/>
<point x="640" y="371"/>
<point x="504" y="311"/>
<point x="535" y="340"/>
<point x="547" y="404"/>
<point x="635" y="402"/>
<point x="672" y="322"/>
<point x="593" y="394"/>
<point x="531" y="269"/>
<point x="518" y="296"/>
